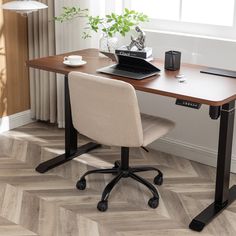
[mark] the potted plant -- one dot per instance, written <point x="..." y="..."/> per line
<point x="111" y="25"/>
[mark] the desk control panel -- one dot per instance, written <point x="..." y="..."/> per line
<point x="189" y="104"/>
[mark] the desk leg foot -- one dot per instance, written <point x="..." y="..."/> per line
<point x="59" y="160"/>
<point x="207" y="215"/>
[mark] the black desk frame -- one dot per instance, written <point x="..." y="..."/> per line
<point x="223" y="195"/>
<point x="71" y="148"/>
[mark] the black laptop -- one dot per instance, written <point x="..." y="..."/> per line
<point x="131" y="67"/>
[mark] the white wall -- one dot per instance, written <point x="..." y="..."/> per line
<point x="196" y="135"/>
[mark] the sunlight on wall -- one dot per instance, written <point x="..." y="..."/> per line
<point x="3" y="97"/>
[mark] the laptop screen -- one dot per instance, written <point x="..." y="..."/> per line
<point x="135" y="62"/>
<point x="131" y="67"/>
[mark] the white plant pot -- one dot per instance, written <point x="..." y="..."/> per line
<point x="108" y="44"/>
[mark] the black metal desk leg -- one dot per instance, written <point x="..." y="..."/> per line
<point x="71" y="150"/>
<point x="70" y="131"/>
<point x="223" y="195"/>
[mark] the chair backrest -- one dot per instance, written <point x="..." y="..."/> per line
<point x="105" y="110"/>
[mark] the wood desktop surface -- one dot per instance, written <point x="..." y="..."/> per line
<point x="202" y="88"/>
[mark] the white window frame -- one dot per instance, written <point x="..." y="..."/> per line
<point x="195" y="29"/>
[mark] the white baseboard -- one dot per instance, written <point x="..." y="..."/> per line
<point x="189" y="151"/>
<point x="15" y="120"/>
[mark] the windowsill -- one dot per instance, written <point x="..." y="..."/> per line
<point x="191" y="35"/>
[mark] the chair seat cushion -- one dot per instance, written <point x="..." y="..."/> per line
<point x="154" y="128"/>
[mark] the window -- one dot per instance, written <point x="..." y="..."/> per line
<point x="204" y="17"/>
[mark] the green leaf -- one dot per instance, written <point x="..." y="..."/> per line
<point x="113" y="15"/>
<point x="110" y="24"/>
<point x="109" y="20"/>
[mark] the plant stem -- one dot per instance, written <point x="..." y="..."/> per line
<point x="108" y="46"/>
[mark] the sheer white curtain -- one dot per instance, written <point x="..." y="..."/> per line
<point x="41" y="39"/>
<point x="47" y="37"/>
<point x="68" y="39"/>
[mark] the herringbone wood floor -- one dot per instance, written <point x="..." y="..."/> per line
<point x="50" y="205"/>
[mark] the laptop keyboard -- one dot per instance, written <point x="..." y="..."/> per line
<point x="128" y="72"/>
<point x="129" y="69"/>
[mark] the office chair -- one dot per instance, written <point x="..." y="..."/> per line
<point x="107" y="111"/>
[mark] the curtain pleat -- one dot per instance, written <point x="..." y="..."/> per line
<point x="43" y="92"/>
<point x="68" y="38"/>
<point x="49" y="38"/>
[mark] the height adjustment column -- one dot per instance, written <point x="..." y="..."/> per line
<point x="223" y="195"/>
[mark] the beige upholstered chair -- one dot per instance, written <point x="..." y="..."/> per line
<point x="107" y="111"/>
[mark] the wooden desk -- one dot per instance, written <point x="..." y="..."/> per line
<point x="216" y="91"/>
<point x="202" y="88"/>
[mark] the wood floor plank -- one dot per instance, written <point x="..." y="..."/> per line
<point x="50" y="205"/>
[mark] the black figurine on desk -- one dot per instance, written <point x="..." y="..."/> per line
<point x="139" y="42"/>
<point x="137" y="47"/>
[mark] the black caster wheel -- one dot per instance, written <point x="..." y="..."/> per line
<point x="116" y="166"/>
<point x="102" y="205"/>
<point x="153" y="202"/>
<point x="81" y="184"/>
<point x="158" y="180"/>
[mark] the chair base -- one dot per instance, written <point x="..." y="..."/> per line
<point x="122" y="170"/>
